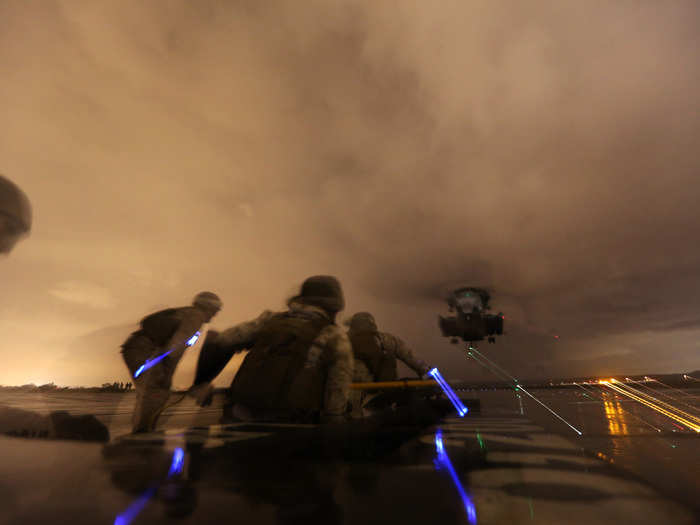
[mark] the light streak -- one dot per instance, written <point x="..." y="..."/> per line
<point x="642" y="385"/>
<point x="659" y="402"/>
<point x="150" y="363"/>
<point x="668" y="386"/>
<point x="521" y="387"/>
<point x="520" y="402"/>
<point x="493" y="364"/>
<point x="443" y="460"/>
<point x="457" y="402"/>
<point x="621" y="409"/>
<point x="657" y="408"/>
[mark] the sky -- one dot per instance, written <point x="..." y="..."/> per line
<point x="547" y="150"/>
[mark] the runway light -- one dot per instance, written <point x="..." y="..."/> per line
<point x="150" y="363"/>
<point x="456" y="401"/>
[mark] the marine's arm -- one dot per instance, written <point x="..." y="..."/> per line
<point x="401" y="350"/>
<point x="243" y="334"/>
<point x="190" y="320"/>
<point x="218" y="350"/>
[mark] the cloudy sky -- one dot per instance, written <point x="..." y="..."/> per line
<point x="549" y="150"/>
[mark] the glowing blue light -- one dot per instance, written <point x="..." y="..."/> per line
<point x="138" y="505"/>
<point x="443" y="460"/>
<point x="133" y="510"/>
<point x="150" y="363"/>
<point x="456" y="401"/>
<point x="178" y="462"/>
<point x="438" y="443"/>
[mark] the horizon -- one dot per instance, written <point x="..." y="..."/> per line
<point x="495" y="381"/>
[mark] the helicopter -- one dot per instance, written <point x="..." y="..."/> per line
<point x="471" y="322"/>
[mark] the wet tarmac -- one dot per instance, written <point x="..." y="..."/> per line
<point x="509" y="463"/>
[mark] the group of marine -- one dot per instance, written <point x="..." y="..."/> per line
<point x="299" y="367"/>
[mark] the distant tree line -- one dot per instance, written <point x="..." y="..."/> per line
<point x="116" y="386"/>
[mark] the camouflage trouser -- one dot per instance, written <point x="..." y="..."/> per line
<point x="358" y="398"/>
<point x="152" y="386"/>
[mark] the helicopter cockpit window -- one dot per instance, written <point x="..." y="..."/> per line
<point x="468" y="301"/>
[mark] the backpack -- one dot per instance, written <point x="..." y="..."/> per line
<point x="273" y="377"/>
<point x="159" y="327"/>
<point x="367" y="348"/>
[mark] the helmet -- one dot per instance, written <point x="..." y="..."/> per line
<point x="323" y="291"/>
<point x="362" y="322"/>
<point x="207" y="300"/>
<point x="15" y="215"/>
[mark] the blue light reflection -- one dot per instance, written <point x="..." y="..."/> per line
<point x="139" y="504"/>
<point x="443" y="461"/>
<point x="456" y="401"/>
<point x="178" y="462"/>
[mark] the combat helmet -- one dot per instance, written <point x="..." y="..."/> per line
<point x="362" y="322"/>
<point x="207" y="301"/>
<point x="323" y="291"/>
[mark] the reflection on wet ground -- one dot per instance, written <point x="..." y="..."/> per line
<point x="617" y="417"/>
<point x="496" y="466"/>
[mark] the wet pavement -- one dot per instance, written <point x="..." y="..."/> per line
<point x="496" y="466"/>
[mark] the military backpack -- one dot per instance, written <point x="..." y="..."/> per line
<point x="161" y="326"/>
<point x="366" y="347"/>
<point x="273" y="376"/>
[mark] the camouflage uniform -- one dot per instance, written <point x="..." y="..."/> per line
<point x="364" y="325"/>
<point x="397" y="348"/>
<point x="153" y="385"/>
<point x="329" y="354"/>
<point x="375" y="355"/>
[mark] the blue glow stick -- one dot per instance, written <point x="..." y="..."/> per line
<point x="152" y="362"/>
<point x="443" y="460"/>
<point x="457" y="402"/>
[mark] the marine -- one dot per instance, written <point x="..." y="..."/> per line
<point x="376" y="355"/>
<point x="376" y="352"/>
<point x="299" y="367"/>
<point x="160" y="332"/>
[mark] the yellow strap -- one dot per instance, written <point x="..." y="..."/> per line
<point x="387" y="385"/>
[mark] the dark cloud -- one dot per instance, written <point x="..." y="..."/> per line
<point x="546" y="151"/>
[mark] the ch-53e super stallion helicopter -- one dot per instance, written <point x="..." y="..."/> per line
<point x="471" y="322"/>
